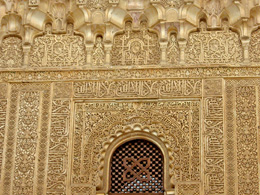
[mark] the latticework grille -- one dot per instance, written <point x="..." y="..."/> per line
<point x="137" y="167"/>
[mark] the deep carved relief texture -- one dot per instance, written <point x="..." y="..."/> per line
<point x="160" y="117"/>
<point x="254" y="46"/>
<point x="136" y="47"/>
<point x="214" y="47"/>
<point x="242" y="137"/>
<point x="57" y="51"/>
<point x="11" y="53"/>
<point x="80" y="77"/>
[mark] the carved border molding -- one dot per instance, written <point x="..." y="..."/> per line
<point x="67" y="75"/>
<point x="242" y="136"/>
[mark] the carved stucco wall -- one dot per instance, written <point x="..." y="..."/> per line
<point x="78" y="75"/>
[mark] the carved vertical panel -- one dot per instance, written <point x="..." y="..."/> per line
<point x="246" y="127"/>
<point x="57" y="170"/>
<point x="58" y="148"/>
<point x="241" y="145"/>
<point x="230" y="143"/>
<point x="3" y="110"/>
<point x="11" y="53"/>
<point x="254" y="46"/>
<point x="26" y="142"/>
<point x="98" y="52"/>
<point x="213" y="137"/>
<point x="214" y="146"/>
<point x="173" y="51"/>
<point x="25" y="165"/>
<point x="3" y="107"/>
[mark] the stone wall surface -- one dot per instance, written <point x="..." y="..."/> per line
<point x="78" y="76"/>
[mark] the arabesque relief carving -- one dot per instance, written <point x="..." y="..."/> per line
<point x="241" y="137"/>
<point x="26" y="140"/>
<point x="51" y="50"/>
<point x="136" y="47"/>
<point x="164" y="118"/>
<point x="214" y="47"/>
<point x="3" y="109"/>
<point x="79" y="77"/>
<point x="191" y="189"/>
<point x="224" y="37"/>
<point x="98" y="52"/>
<point x="173" y="51"/>
<point x="254" y="46"/>
<point x="11" y="53"/>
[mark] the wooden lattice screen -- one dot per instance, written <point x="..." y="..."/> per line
<point x="137" y="168"/>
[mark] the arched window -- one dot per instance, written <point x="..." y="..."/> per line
<point x="137" y="168"/>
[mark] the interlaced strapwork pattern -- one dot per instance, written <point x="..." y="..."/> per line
<point x="137" y="167"/>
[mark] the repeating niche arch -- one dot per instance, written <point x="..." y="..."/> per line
<point x="98" y="52"/>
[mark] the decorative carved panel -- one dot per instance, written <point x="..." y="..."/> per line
<point x="136" y="47"/>
<point x="76" y="76"/>
<point x="3" y="109"/>
<point x="214" y="47"/>
<point x="241" y="144"/>
<point x="188" y="189"/>
<point x="212" y="87"/>
<point x="51" y="50"/>
<point x="254" y="46"/>
<point x="97" y="4"/>
<point x="129" y="74"/>
<point x="138" y="88"/>
<point x="176" y="121"/>
<point x="173" y="50"/>
<point x="26" y="139"/>
<point x="11" y="53"/>
<point x="98" y="52"/>
<point x="214" y="146"/>
<point x="58" y="147"/>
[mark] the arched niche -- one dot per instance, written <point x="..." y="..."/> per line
<point x="135" y="135"/>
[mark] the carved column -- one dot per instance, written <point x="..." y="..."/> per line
<point x="245" y="44"/>
<point x="182" y="45"/>
<point x="108" y="49"/>
<point x="89" y="49"/>
<point x="26" y="52"/>
<point x="163" y="46"/>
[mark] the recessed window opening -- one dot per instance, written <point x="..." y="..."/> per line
<point x="137" y="168"/>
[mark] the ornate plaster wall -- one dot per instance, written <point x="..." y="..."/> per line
<point x="79" y="76"/>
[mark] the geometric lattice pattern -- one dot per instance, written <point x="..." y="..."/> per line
<point x="137" y="167"/>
